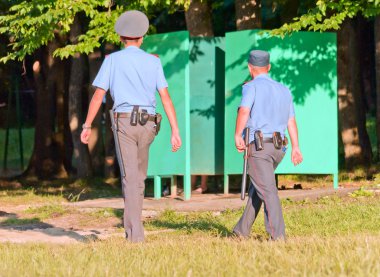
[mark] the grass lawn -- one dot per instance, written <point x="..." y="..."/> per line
<point x="332" y="236"/>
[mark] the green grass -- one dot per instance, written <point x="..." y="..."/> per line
<point x="27" y="196"/>
<point x="20" y="221"/>
<point x="57" y="191"/>
<point x="189" y="255"/>
<point x="332" y="236"/>
<point x="329" y="216"/>
<point x="48" y="211"/>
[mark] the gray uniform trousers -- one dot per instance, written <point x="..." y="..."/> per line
<point x="261" y="166"/>
<point x="134" y="145"/>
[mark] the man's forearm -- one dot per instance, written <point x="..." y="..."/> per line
<point x="94" y="106"/>
<point x="293" y="131"/>
<point x="169" y="109"/>
<point x="241" y="120"/>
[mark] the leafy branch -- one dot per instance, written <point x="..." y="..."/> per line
<point x="329" y="15"/>
<point x="32" y="24"/>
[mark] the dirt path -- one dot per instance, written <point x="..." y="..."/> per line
<point x="81" y="224"/>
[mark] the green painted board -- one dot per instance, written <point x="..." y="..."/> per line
<point x="306" y="63"/>
<point x="207" y="105"/>
<point x="173" y="50"/>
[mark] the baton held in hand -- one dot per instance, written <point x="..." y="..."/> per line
<point x="246" y="154"/>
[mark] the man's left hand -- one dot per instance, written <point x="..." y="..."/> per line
<point x="296" y="156"/>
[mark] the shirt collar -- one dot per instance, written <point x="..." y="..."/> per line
<point x="131" y="47"/>
<point x="263" y="75"/>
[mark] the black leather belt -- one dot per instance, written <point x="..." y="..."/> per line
<point x="128" y="115"/>
<point x="270" y="140"/>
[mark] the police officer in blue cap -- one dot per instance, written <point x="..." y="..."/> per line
<point x="133" y="76"/>
<point x="267" y="109"/>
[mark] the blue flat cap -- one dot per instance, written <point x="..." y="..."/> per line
<point x="258" y="58"/>
<point x="132" y="24"/>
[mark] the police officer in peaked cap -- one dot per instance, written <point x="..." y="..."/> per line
<point x="267" y="109"/>
<point x="132" y="77"/>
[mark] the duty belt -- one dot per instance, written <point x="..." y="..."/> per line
<point x="270" y="140"/>
<point x="128" y="115"/>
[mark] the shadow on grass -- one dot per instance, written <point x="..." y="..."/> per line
<point x="201" y="224"/>
<point x="35" y="224"/>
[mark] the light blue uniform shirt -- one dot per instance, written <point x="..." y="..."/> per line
<point x="133" y="77"/>
<point x="271" y="106"/>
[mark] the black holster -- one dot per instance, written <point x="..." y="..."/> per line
<point x="259" y="143"/>
<point x="134" y="115"/>
<point x="277" y="140"/>
<point x="158" y="120"/>
<point x="143" y="117"/>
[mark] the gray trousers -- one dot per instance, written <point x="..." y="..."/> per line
<point x="261" y="166"/>
<point x="134" y="145"/>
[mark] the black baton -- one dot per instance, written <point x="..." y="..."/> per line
<point x="246" y="154"/>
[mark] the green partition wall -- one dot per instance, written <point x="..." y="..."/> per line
<point x="306" y="63"/>
<point x="173" y="50"/>
<point x="207" y="105"/>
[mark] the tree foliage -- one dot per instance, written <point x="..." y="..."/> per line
<point x="31" y="24"/>
<point x="329" y="15"/>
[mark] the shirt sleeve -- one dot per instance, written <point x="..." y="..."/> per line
<point x="248" y="98"/>
<point x="161" y="80"/>
<point x="102" y="79"/>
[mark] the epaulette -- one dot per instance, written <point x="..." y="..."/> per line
<point x="246" y="82"/>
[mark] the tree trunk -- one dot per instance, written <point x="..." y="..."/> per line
<point x="377" y="49"/>
<point x="199" y="19"/>
<point x="95" y="144"/>
<point x="248" y="14"/>
<point x="352" y="118"/>
<point x="81" y="156"/>
<point x="110" y="165"/>
<point x="367" y="63"/>
<point x="46" y="161"/>
<point x="61" y="112"/>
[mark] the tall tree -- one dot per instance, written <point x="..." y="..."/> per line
<point x="199" y="18"/>
<point x="248" y="14"/>
<point x="377" y="49"/>
<point x="81" y="155"/>
<point x="356" y="143"/>
<point x="96" y="144"/>
<point x="46" y="160"/>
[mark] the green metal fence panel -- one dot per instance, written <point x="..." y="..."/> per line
<point x="173" y="50"/>
<point x="306" y="63"/>
<point x="207" y="105"/>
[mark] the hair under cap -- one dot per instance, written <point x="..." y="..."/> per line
<point x="258" y="58"/>
<point x="132" y="24"/>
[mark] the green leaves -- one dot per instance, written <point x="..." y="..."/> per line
<point x="32" y="24"/>
<point x="329" y="15"/>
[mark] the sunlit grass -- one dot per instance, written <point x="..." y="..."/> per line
<point x="168" y="254"/>
<point x="333" y="236"/>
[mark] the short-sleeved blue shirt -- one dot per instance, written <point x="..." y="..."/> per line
<point x="271" y="106"/>
<point x="133" y="77"/>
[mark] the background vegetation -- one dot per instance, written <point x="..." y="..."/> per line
<point x="51" y="51"/>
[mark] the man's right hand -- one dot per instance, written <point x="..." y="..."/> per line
<point x="85" y="135"/>
<point x="175" y="141"/>
<point x="239" y="143"/>
<point x="296" y="156"/>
